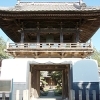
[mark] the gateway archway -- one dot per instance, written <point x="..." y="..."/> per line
<point x="34" y="81"/>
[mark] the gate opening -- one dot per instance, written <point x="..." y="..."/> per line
<point x="46" y="79"/>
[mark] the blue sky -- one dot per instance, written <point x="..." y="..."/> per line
<point x="96" y="36"/>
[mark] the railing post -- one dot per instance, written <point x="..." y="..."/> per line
<point x="94" y="94"/>
<point x="80" y="94"/>
<point x="17" y="94"/>
<point x="87" y="94"/>
<point x="72" y="95"/>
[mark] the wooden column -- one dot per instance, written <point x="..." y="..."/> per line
<point x="38" y="36"/>
<point x="35" y="82"/>
<point x="63" y="85"/>
<point x="77" y="35"/>
<point x="22" y="36"/>
<point x="38" y="33"/>
<point x="66" y="83"/>
<point x="38" y="83"/>
<point x="61" y="34"/>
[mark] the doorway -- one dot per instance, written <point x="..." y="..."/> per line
<point x="51" y="84"/>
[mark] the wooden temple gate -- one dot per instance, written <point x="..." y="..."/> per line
<point x="49" y="30"/>
<point x="35" y="78"/>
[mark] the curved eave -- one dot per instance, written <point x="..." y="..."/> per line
<point x="88" y="29"/>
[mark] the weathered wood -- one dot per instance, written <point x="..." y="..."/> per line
<point x="50" y="49"/>
<point x="50" y="30"/>
<point x="77" y="35"/>
<point x="61" y="36"/>
<point x="22" y="37"/>
<point x="38" y="35"/>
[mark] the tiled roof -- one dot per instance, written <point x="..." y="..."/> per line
<point x="49" y="6"/>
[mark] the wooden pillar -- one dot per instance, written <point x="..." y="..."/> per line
<point x="61" y="34"/>
<point x="38" y="36"/>
<point x="77" y="35"/>
<point x="38" y="33"/>
<point x="35" y="82"/>
<point x="66" y="83"/>
<point x="38" y="83"/>
<point x="22" y="36"/>
<point x="63" y="85"/>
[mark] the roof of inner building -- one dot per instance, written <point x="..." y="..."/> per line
<point x="49" y="15"/>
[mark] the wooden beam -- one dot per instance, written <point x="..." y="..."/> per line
<point x="50" y="30"/>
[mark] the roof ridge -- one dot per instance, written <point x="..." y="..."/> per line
<point x="46" y="2"/>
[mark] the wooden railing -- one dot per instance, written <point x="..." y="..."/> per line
<point x="48" y="46"/>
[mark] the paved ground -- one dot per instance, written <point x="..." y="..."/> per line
<point x="50" y="96"/>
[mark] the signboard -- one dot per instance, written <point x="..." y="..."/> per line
<point x="5" y="86"/>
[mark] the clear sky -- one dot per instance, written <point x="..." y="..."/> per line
<point x="95" y="38"/>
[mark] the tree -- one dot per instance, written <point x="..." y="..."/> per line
<point x="3" y="55"/>
<point x="57" y="76"/>
<point x="96" y="56"/>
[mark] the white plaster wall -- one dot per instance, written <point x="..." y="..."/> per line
<point x="15" y="69"/>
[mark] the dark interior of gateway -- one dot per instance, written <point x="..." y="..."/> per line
<point x="50" y="81"/>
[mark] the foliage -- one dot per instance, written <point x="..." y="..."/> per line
<point x="57" y="76"/>
<point x="96" y="56"/>
<point x="42" y="79"/>
<point x="3" y="55"/>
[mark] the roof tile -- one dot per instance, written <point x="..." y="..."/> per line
<point x="49" y="6"/>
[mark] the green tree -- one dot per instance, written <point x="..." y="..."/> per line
<point x="3" y="55"/>
<point x="57" y="76"/>
<point x="96" y="56"/>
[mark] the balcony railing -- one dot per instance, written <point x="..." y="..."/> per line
<point x="49" y="47"/>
